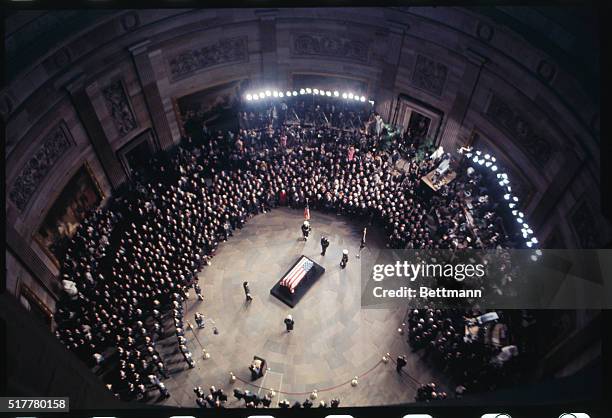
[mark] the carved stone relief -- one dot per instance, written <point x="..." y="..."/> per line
<point x="130" y="21"/>
<point x="53" y="147"/>
<point x="329" y="45"/>
<point x="429" y="75"/>
<point x="222" y="52"/>
<point x="546" y="71"/>
<point x="118" y="105"/>
<point x="538" y="149"/>
<point x="485" y="31"/>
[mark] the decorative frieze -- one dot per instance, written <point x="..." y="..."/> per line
<point x="429" y="75"/>
<point x="536" y="147"/>
<point x="222" y="52"/>
<point x="119" y="107"/>
<point x="329" y="45"/>
<point x="53" y="147"/>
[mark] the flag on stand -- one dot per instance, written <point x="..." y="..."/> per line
<point x="307" y="212"/>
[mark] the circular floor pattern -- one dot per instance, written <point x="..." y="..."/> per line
<point x="334" y="338"/>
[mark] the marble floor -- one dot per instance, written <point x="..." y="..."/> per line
<point x="333" y="341"/>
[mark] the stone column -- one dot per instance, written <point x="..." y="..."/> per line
<point x="388" y="51"/>
<point x="148" y="81"/>
<point x="451" y="137"/>
<point x="557" y="188"/>
<point x="267" y="40"/>
<point x="83" y="98"/>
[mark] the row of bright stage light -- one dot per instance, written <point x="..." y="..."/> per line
<point x="269" y="94"/>
<point x="489" y="161"/>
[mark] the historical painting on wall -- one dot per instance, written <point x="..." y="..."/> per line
<point x="77" y="199"/>
<point x="32" y="303"/>
<point x="211" y="105"/>
<point x="331" y="83"/>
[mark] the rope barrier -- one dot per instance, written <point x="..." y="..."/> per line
<point x="412" y="379"/>
<point x="318" y="390"/>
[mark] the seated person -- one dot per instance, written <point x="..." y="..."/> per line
<point x="257" y="368"/>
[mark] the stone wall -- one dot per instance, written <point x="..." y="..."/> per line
<point x="106" y="85"/>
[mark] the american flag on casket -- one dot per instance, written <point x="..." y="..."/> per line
<point x="296" y="274"/>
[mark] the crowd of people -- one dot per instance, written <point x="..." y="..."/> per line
<point x="453" y="341"/>
<point x="130" y="266"/>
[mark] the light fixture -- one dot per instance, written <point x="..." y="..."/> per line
<point x="515" y="199"/>
<point x="519" y="220"/>
<point x="275" y="93"/>
<point x="288" y="93"/>
<point x="328" y="93"/>
<point x="249" y="97"/>
<point x="511" y="205"/>
<point x="488" y="163"/>
<point x="481" y="162"/>
<point x="256" y="97"/>
<point x="268" y="93"/>
<point x="302" y="91"/>
<point x="336" y="94"/>
<point x="529" y="244"/>
<point x="280" y="94"/>
<point x="530" y="231"/>
<point x="507" y="196"/>
<point x="526" y="226"/>
<point x="350" y="95"/>
<point x="262" y="94"/>
<point x="478" y="152"/>
<point x="316" y="91"/>
<point x="538" y="252"/>
<point x="534" y="257"/>
<point x="295" y="93"/>
<point x="521" y="214"/>
<point x="509" y="188"/>
<point x="308" y="90"/>
<point x="534" y="240"/>
<point x="487" y="156"/>
<point x="344" y="95"/>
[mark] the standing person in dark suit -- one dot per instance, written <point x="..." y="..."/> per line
<point x="345" y="258"/>
<point x="400" y="363"/>
<point x="363" y="242"/>
<point x="324" y="244"/>
<point x="289" y="322"/>
<point x="247" y="291"/>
